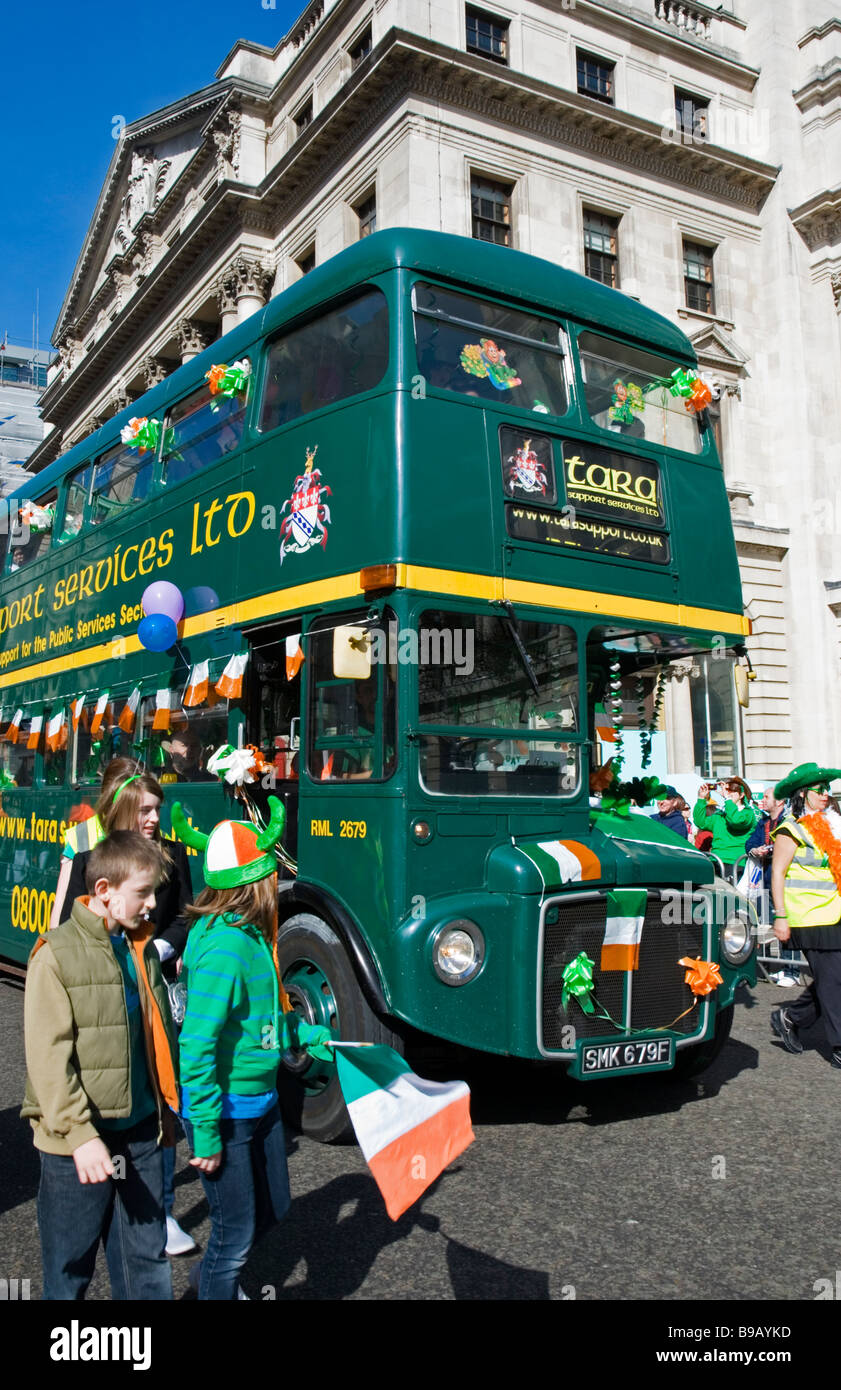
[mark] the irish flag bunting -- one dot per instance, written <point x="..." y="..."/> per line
<point x="229" y="684"/>
<point x="128" y="714"/>
<point x="13" y="732"/>
<point x="623" y="929"/>
<point x="196" y="692"/>
<point x="408" y="1129"/>
<point x="294" y="655"/>
<point x="57" y="726"/>
<point x="78" y="711"/>
<point x="35" y="730"/>
<point x="604" y="727"/>
<point x="99" y="714"/>
<point x="163" y="709"/>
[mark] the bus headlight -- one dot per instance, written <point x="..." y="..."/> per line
<point x="736" y="939"/>
<point x="458" y="952"/>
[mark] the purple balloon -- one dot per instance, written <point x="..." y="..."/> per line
<point x="164" y="598"/>
<point x="157" y="632"/>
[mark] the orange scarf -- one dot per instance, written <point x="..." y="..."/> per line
<point x="819" y="830"/>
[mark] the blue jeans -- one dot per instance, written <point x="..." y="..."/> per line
<point x="125" y="1212"/>
<point x="248" y="1192"/>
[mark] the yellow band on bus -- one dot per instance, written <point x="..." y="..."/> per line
<point x="453" y="583"/>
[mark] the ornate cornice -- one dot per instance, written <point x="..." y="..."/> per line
<point x="835" y="281"/>
<point x="822" y="88"/>
<point x="819" y="220"/>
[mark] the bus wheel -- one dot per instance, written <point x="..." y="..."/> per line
<point x="323" y="989"/>
<point x="692" y="1060"/>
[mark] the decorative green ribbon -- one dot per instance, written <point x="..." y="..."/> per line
<point x="146" y="437"/>
<point x="578" y="981"/>
<point x="678" y="384"/>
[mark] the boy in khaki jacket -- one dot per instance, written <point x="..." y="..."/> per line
<point x="100" y="1052"/>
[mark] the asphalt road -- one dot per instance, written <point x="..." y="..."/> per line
<point x="595" y="1191"/>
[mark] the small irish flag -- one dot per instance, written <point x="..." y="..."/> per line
<point x="35" y="730"/>
<point x="99" y="714"/>
<point x="408" y="1129"/>
<point x="623" y="929"/>
<point x="163" y="709"/>
<point x="196" y="692"/>
<point x="128" y="714"/>
<point x="229" y="684"/>
<point x="55" y="725"/>
<point x="78" y="711"/>
<point x="13" y="731"/>
<point x="294" y="655"/>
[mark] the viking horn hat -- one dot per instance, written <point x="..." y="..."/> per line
<point x="235" y="852"/>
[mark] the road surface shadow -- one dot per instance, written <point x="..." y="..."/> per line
<point x="327" y="1245"/>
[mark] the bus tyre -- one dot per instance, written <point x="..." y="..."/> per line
<point x="323" y="989"/>
<point x="692" y="1060"/>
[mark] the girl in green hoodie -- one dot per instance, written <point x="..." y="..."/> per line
<point x="232" y="1039"/>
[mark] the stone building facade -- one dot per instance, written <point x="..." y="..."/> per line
<point x="689" y="155"/>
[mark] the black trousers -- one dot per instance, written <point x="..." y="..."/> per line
<point x="823" y="997"/>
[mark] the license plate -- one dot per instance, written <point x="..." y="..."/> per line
<point x="654" y="1054"/>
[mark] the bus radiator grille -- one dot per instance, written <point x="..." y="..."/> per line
<point x="658" y="994"/>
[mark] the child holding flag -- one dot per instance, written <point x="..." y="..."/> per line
<point x="237" y="1024"/>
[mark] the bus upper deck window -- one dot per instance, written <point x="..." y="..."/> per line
<point x="489" y="351"/>
<point x="623" y="394"/>
<point x="200" y="430"/>
<point x="76" y="499"/>
<point x="31" y="536"/>
<point x="339" y="354"/>
<point x="123" y="478"/>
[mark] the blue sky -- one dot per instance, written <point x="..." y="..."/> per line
<point x="67" y="71"/>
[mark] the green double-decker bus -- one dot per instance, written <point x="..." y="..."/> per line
<point x="444" y="511"/>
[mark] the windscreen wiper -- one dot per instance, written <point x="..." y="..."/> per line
<point x="510" y="620"/>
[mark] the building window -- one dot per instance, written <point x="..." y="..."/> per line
<point x="698" y="277"/>
<point x="367" y="214"/>
<point x="360" y="50"/>
<point x="595" y="77"/>
<point x="491" y="209"/>
<point x="487" y="35"/>
<point x="690" y="116"/>
<point x="306" y="261"/>
<point x="303" y="117"/>
<point x="601" y="249"/>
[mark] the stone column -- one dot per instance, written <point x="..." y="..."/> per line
<point x="680" y="745"/>
<point x="193" y="337"/>
<point x="249" y="280"/>
<point x="155" y="370"/>
<point x="226" y="301"/>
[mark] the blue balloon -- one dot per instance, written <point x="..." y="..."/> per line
<point x="157" y="632"/>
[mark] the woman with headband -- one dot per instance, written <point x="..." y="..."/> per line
<point x="130" y="799"/>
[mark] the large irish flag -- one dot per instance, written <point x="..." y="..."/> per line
<point x="408" y="1129"/>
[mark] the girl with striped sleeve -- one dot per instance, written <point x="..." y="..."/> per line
<point x="237" y="1024"/>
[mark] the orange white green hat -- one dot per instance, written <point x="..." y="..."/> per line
<point x="235" y="852"/>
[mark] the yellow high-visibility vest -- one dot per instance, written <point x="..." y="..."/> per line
<point x="811" y="894"/>
<point x="84" y="835"/>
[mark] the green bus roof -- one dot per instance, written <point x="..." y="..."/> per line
<point x="496" y="270"/>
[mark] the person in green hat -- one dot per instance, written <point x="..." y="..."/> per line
<point x="731" y="826"/>
<point x="806" y="889"/>
<point x="237" y="1024"/>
